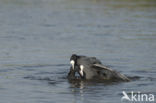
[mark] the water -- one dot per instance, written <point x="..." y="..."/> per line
<point x="37" y="38"/>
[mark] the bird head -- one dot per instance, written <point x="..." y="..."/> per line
<point x="73" y="60"/>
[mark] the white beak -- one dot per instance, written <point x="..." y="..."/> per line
<point x="72" y="62"/>
<point x="81" y="69"/>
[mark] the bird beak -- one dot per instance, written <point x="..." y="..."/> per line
<point x="81" y="70"/>
<point x="72" y="62"/>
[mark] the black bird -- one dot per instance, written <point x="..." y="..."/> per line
<point x="91" y="68"/>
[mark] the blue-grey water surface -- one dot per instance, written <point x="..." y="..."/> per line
<point x="37" y="38"/>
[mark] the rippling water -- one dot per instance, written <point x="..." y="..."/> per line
<point x="37" y="38"/>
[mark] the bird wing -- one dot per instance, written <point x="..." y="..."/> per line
<point x="102" y="67"/>
<point x="108" y="73"/>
